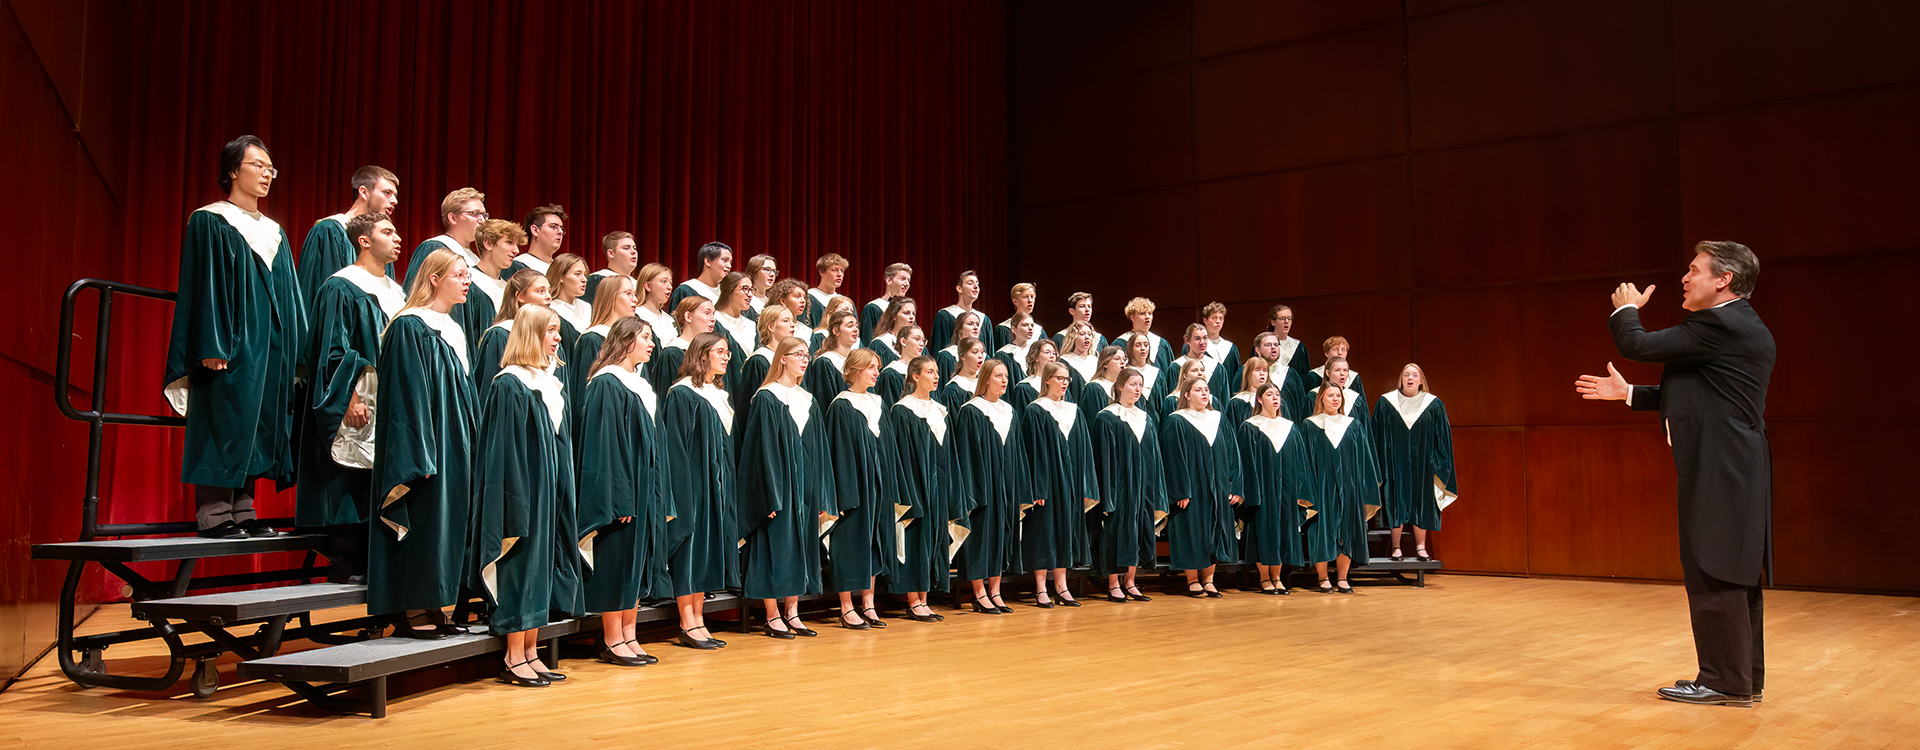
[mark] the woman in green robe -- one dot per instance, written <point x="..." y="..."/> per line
<point x="1169" y="400"/>
<point x="786" y="488"/>
<point x="1061" y="488"/>
<point x="962" y="383"/>
<point x="652" y="285"/>
<point x="774" y="324"/>
<point x="1078" y="354"/>
<point x="1014" y="354"/>
<point x="917" y="429"/>
<point x="624" y="498"/>
<point x="1243" y="405"/>
<point x="1042" y="353"/>
<point x="1295" y="404"/>
<point x="1413" y="445"/>
<point x="860" y="546"/>
<point x="990" y="471"/>
<point x="1219" y="379"/>
<point x="423" y="460"/>
<point x="730" y="320"/>
<point x="966" y="327"/>
<point x="823" y="333"/>
<point x="1345" y="486"/>
<point x="901" y="313"/>
<point x="1133" y="487"/>
<point x="1273" y="469"/>
<point x="825" y="378"/>
<point x="350" y="308"/>
<point x="1139" y="357"/>
<point x="912" y="342"/>
<point x="1203" y="485"/>
<point x="702" y="537"/>
<point x="527" y="551"/>
<point x="522" y="289"/>
<point x="1097" y="393"/>
<point x="616" y="302"/>
<point x="693" y="317"/>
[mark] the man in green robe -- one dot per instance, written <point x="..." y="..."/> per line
<point x="461" y="214"/>
<point x="546" y="228"/>
<point x="238" y="323"/>
<point x="327" y="249"/>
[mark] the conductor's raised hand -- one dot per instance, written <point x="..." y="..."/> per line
<point x="1628" y="294"/>
<point x="1611" y="387"/>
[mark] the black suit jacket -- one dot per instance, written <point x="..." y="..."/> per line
<point x="1712" y="400"/>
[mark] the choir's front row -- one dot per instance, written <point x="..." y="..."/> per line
<point x="567" y="483"/>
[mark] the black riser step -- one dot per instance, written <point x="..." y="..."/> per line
<point x="236" y="606"/>
<point x="175" y="548"/>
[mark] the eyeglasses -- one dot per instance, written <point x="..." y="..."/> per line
<point x="266" y="169"/>
<point x="477" y="215"/>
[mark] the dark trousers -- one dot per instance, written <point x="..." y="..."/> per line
<point x="1726" y="631"/>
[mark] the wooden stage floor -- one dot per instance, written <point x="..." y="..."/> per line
<point x="1468" y="662"/>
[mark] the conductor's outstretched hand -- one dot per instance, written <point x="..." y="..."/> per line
<point x="1612" y="387"/>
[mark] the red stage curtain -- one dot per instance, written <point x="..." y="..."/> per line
<point x="871" y="129"/>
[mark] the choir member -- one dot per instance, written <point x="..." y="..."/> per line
<point x="964" y="383"/>
<point x="521" y="290"/>
<point x="1243" y="404"/>
<point x="916" y="428"/>
<point x="948" y="359"/>
<point x="1294" y="402"/>
<point x="546" y="228"/>
<point x="716" y="261"/>
<point x="1292" y="353"/>
<point x="1080" y="306"/>
<point x="833" y="271"/>
<point x="1353" y="404"/>
<point x="898" y="278"/>
<point x="526" y="544"/>
<point x="702" y="540"/>
<point x="1415" y="457"/>
<point x="693" y="316"/>
<point x="616" y="302"/>
<point x="423" y="468"/>
<point x="860" y="545"/>
<point x="730" y="320"/>
<point x="990" y="473"/>
<point x="1133" y="489"/>
<point x="1140" y="314"/>
<point x="327" y="247"/>
<point x="764" y="272"/>
<point x="792" y="294"/>
<point x="774" y="326"/>
<point x="623" y="258"/>
<point x="624" y="498"/>
<point x="1344" y="485"/>
<point x="239" y="323"/>
<point x="567" y="278"/>
<point x="497" y="241"/>
<point x="825" y="376"/>
<point x="1218" y="378"/>
<point x="1139" y="351"/>
<point x="654" y="283"/>
<point x="461" y="214"/>
<point x="1170" y="402"/>
<point x="1273" y="470"/>
<point x="835" y="304"/>
<point x="893" y="380"/>
<point x="967" y="291"/>
<point x="1029" y="387"/>
<point x="1059" y="450"/>
<point x="1078" y="352"/>
<point x="1024" y="295"/>
<point x="1204" y="484"/>
<point x="1098" y="390"/>
<point x="786" y="487"/>
<point x="1014" y="353"/>
<point x="1220" y="350"/>
<point x="1336" y="346"/>
<point x="350" y="309"/>
<point x="901" y="312"/>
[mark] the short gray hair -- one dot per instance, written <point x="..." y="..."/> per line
<point x="1734" y="258"/>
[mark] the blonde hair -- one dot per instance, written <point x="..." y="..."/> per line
<point x="1022" y="288"/>
<point x="647" y="274"/>
<point x="1138" y="305"/>
<point x="494" y="230"/>
<point x="1211" y="309"/>
<point x="604" y="295"/>
<point x="562" y="265"/>
<point x="1046" y="377"/>
<point x="1423" y="375"/>
<point x="686" y="307"/>
<point x="836" y="301"/>
<point x="519" y="282"/>
<point x="780" y="351"/>
<point x="1254" y="365"/>
<point x="828" y="262"/>
<point x="526" y="344"/>
<point x="1071" y="338"/>
<point x="768" y="318"/>
<point x="455" y="200"/>
<point x="438" y="263"/>
<point x="896" y="268"/>
<point x="857" y="360"/>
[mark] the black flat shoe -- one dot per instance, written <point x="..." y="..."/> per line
<point x="552" y="676"/>
<point x="1195" y="591"/>
<point x="858" y="624"/>
<point x="873" y="618"/>
<point x="421" y="634"/>
<point x="1048" y="604"/>
<point x="225" y="530"/>
<point x="609" y="657"/>
<point x="1212" y="593"/>
<point x="1133" y="592"/>
<point x="800" y="628"/>
<point x="1396" y="556"/>
<point x="704" y="644"/>
<point x="1326" y="587"/>
<point x="508" y="677"/>
<point x="929" y="617"/>
<point x="1066" y="602"/>
<point x="1000" y="604"/>
<point x="985" y="609"/>
<point x="785" y="635"/>
<point x="1116" y="596"/>
<point x="1701" y="695"/>
<point x="1344" y="588"/>
<point x="1420" y="554"/>
<point x="1281" y="590"/>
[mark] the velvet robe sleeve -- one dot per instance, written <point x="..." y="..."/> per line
<point x="823" y="380"/>
<point x="771" y="462"/>
<point x="420" y="253"/>
<point x="613" y="468"/>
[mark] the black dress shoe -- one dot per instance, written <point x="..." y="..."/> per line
<point x="1211" y="592"/>
<point x="422" y="634"/>
<point x="1684" y="683"/>
<point x="1345" y="588"/>
<point x="873" y="618"/>
<point x="225" y="530"/>
<point x="551" y="676"/>
<point x="607" y="656"/>
<point x="983" y="608"/>
<point x="1134" y="594"/>
<point x="1043" y="605"/>
<point x="858" y="622"/>
<point x="704" y="644"/>
<point x="785" y="635"/>
<point x="507" y="676"/>
<point x="254" y="527"/>
<point x="1701" y="695"/>
<point x="800" y="628"/>
<point x="1065" y="602"/>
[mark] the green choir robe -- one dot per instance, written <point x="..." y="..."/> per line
<point x="785" y="470"/>
<point x="817" y="309"/>
<point x="825" y="376"/>
<point x="884" y="345"/>
<point x="948" y="362"/>
<point x="1150" y="401"/>
<point x="423" y="470"/>
<point x="579" y="368"/>
<point x="869" y="319"/>
<point x="1060" y="340"/>
<point x="240" y="301"/>
<point x="917" y="432"/>
<point x="1318" y="375"/>
<point x="487" y="355"/>
<point x="860" y="546"/>
<point x="1274" y="472"/>
<point x="1224" y="354"/>
<point x="893" y="384"/>
<point x="703" y="538"/>
<point x="526" y="261"/>
<point x="948" y="318"/>
<point x="1344" y="484"/>
<point x="1220" y="383"/>
<point x="1237" y="407"/>
<point x="956" y="393"/>
<point x="1295" y="402"/>
<point x="350" y="309"/>
<point x="990" y="475"/>
<point x="1294" y="353"/>
<point x="326" y="250"/>
<point x="1094" y="396"/>
<point x="690" y="288"/>
<point x="426" y="248"/>
<point x="1014" y="356"/>
<point x="622" y="467"/>
<point x="664" y="370"/>
<point x="476" y="314"/>
<point x="528" y="551"/>
<point x="746" y="379"/>
<point x="593" y="282"/>
<point x="1413" y="447"/>
<point x="1003" y="333"/>
<point x="1162" y="349"/>
<point x="1203" y="467"/>
<point x="660" y="327"/>
<point x="1133" y="489"/>
<point x="1058" y="445"/>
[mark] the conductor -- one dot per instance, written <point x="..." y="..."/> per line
<point x="1712" y="399"/>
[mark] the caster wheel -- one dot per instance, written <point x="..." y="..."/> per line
<point x="206" y="678"/>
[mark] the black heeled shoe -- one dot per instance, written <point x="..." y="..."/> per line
<point x="1396" y="556"/>
<point x="704" y="644"/>
<point x="1000" y="604"/>
<point x="549" y="676"/>
<point x="1115" y="595"/>
<point x="1326" y="586"/>
<point x="1061" y="598"/>
<point x="985" y="609"/>
<point x="785" y="635"/>
<point x="433" y="632"/>
<point x="799" y="627"/>
<point x="1344" y="588"/>
<point x="1266" y="587"/>
<point x="1420" y="553"/>
<point x="931" y="616"/>
<point x="859" y="624"/>
<point x="873" y="618"/>
<point x="607" y="656"/>
<point x="642" y="658"/>
<point x="508" y="677"/>
<point x="1195" y="591"/>
<point x="1212" y="592"/>
<point x="1048" y="604"/>
<point x="1133" y="592"/>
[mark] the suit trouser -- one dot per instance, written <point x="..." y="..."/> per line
<point x="1727" y="626"/>
<point x="216" y="505"/>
